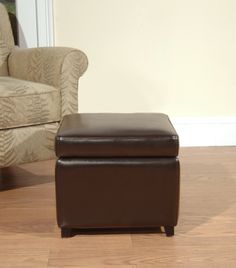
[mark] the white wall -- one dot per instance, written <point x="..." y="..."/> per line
<point x="27" y="23"/>
<point x="171" y="56"/>
<point x="35" y="23"/>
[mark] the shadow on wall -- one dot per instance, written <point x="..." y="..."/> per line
<point x="14" y="26"/>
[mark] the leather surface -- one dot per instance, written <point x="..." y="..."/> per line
<point x="116" y="135"/>
<point x="116" y="192"/>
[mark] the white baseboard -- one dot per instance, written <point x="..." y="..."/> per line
<point x="205" y="131"/>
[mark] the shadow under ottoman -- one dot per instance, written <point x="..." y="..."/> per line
<point x="117" y="171"/>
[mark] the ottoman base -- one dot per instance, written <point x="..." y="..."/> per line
<point x="169" y="230"/>
<point x="68" y="232"/>
<point x="117" y="193"/>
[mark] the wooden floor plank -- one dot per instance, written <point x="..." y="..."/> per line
<point x="205" y="235"/>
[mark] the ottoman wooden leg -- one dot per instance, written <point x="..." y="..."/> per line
<point x="169" y="230"/>
<point x="66" y="232"/>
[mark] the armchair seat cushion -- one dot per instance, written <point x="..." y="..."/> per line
<point x="25" y="103"/>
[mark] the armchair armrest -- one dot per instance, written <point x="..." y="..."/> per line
<point x="56" y="66"/>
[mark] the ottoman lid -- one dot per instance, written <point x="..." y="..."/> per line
<point x="116" y="135"/>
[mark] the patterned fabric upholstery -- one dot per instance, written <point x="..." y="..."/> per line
<point x="27" y="144"/>
<point x="38" y="87"/>
<point x="6" y="39"/>
<point x="59" y="67"/>
<point x="25" y="103"/>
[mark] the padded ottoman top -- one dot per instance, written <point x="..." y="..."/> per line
<point x="117" y="135"/>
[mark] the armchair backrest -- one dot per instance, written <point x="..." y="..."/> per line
<point x="6" y="40"/>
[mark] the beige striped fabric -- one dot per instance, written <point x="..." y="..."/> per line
<point x="38" y="86"/>
<point x="59" y="67"/>
<point x="6" y="39"/>
<point x="27" y="144"/>
<point x="24" y="103"/>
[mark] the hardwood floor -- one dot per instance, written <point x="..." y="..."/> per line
<point x="205" y="235"/>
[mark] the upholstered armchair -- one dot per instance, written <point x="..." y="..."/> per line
<point x="38" y="86"/>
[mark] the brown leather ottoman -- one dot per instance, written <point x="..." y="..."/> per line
<point x="117" y="171"/>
